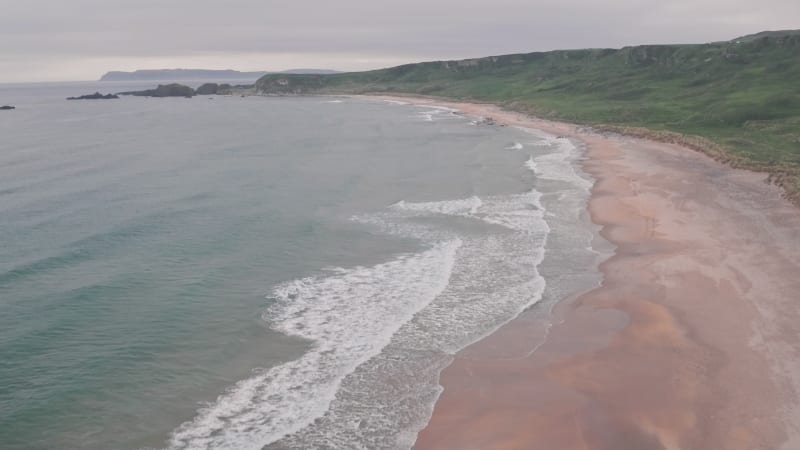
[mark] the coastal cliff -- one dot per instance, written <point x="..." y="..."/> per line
<point x="736" y="100"/>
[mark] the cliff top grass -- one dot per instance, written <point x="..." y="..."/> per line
<point x="737" y="100"/>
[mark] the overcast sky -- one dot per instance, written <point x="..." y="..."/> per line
<point x="48" y="40"/>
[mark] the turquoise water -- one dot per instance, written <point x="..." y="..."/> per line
<point x="238" y="272"/>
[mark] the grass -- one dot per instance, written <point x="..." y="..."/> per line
<point x="738" y="100"/>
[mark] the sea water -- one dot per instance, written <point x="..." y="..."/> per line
<point x="259" y="272"/>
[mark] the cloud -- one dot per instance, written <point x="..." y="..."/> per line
<point x="55" y="39"/>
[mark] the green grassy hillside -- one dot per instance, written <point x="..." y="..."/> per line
<point x="737" y="100"/>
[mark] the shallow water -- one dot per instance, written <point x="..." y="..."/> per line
<point x="243" y="272"/>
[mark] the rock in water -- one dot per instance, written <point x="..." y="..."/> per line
<point x="207" y="89"/>
<point x="95" y="96"/>
<point x="6" y="107"/>
<point x="164" y="90"/>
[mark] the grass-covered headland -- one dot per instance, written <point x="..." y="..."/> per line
<point x="738" y="100"/>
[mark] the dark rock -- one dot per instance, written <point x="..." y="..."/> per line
<point x="224" y="89"/>
<point x="6" y="108"/>
<point x="95" y="96"/>
<point x="208" y="89"/>
<point x="164" y="90"/>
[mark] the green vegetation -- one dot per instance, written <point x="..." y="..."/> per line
<point x="738" y="100"/>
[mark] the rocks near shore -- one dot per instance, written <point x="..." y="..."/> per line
<point x="222" y="89"/>
<point x="179" y="90"/>
<point x="6" y="108"/>
<point x="171" y="90"/>
<point x="213" y="89"/>
<point x="164" y="90"/>
<point x="95" y="96"/>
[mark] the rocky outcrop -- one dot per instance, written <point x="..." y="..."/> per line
<point x="179" y="90"/>
<point x="227" y="89"/>
<point x="290" y="84"/>
<point x="164" y="90"/>
<point x="207" y="89"/>
<point x="6" y="108"/>
<point x="95" y="96"/>
<point x="223" y="89"/>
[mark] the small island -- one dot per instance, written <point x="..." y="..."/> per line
<point x="180" y="90"/>
<point x="163" y="90"/>
<point x="218" y="89"/>
<point x="7" y="107"/>
<point x="95" y="96"/>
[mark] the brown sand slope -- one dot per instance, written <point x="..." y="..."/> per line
<point x="691" y="342"/>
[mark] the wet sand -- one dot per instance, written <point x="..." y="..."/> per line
<point x="692" y="340"/>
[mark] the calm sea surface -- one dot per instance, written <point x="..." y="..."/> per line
<point x="238" y="273"/>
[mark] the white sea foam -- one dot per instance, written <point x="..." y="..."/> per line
<point x="523" y="213"/>
<point x="384" y="402"/>
<point x="349" y="318"/>
<point x="557" y="165"/>
<point x="515" y="146"/>
<point x="531" y="164"/>
<point x="334" y="101"/>
<point x="451" y="207"/>
<point x="520" y="212"/>
<point x="433" y="111"/>
<point x="443" y="108"/>
<point x="382" y="334"/>
<point x="493" y="279"/>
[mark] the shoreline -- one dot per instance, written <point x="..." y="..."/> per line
<point x="687" y="344"/>
<point x="773" y="175"/>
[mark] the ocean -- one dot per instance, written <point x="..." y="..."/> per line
<point x="264" y="272"/>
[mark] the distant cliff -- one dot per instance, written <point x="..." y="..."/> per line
<point x="181" y="74"/>
<point x="198" y="74"/>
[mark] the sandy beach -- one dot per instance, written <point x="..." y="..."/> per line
<point x="691" y="341"/>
